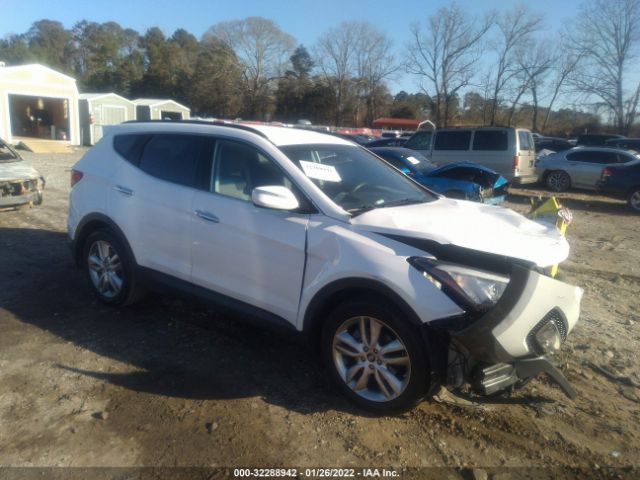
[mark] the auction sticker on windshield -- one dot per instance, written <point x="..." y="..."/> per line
<point x="318" y="171"/>
<point x="413" y="160"/>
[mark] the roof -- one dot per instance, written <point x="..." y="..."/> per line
<point x="397" y="122"/>
<point x="153" y="102"/>
<point x="279" y="136"/>
<point x="34" y="67"/>
<point x="96" y="96"/>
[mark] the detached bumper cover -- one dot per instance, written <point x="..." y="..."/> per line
<point x="503" y="335"/>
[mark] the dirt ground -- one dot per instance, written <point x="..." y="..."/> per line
<point x="172" y="383"/>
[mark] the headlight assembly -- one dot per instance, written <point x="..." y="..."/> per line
<point x="470" y="288"/>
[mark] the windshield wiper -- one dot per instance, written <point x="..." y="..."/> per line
<point x="361" y="209"/>
<point x="404" y="201"/>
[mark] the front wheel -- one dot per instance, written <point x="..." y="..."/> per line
<point x="375" y="357"/>
<point x="558" y="181"/>
<point x="634" y="200"/>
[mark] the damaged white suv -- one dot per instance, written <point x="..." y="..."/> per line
<point x="400" y="290"/>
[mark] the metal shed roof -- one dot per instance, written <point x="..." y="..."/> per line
<point x="154" y="102"/>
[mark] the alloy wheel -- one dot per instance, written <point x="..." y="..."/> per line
<point x="105" y="269"/>
<point x="558" y="181"/>
<point x="371" y="359"/>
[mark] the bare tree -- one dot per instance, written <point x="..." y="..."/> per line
<point x="607" y="36"/>
<point x="535" y="59"/>
<point x="263" y="50"/>
<point x="356" y="58"/>
<point x="515" y="30"/>
<point x="565" y="64"/>
<point x="444" y="53"/>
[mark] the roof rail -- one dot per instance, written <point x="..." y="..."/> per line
<point x="216" y="123"/>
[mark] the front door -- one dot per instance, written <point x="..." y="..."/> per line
<point x="252" y="254"/>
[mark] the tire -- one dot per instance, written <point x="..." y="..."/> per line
<point x="558" y="181"/>
<point x="109" y="269"/>
<point x="388" y="388"/>
<point x="633" y="200"/>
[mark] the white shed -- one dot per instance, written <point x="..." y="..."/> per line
<point x="100" y="109"/>
<point x="160" y="109"/>
<point x="37" y="102"/>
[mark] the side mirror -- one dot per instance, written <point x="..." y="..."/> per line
<point x="275" y="197"/>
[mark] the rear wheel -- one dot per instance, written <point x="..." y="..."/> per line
<point x="376" y="358"/>
<point x="109" y="269"/>
<point x="558" y="181"/>
<point x="634" y="199"/>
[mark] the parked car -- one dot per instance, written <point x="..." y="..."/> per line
<point x="463" y="180"/>
<point x="508" y="151"/>
<point x="579" y="167"/>
<point x="552" y="144"/>
<point x="359" y="138"/>
<point x="624" y="143"/>
<point x="596" y="139"/>
<point x="622" y="181"/>
<point x="398" y="289"/>
<point x="20" y="183"/>
<point x="387" y="142"/>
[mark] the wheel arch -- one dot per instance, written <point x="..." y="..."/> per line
<point x="90" y="224"/>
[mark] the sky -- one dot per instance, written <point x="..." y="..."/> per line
<point x="305" y="20"/>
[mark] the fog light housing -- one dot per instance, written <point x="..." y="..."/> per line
<point x="548" y="338"/>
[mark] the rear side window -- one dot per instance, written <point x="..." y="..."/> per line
<point x="130" y="146"/>
<point x="490" y="140"/>
<point x="525" y="140"/>
<point x="453" y="140"/>
<point x="174" y="158"/>
<point x="420" y="141"/>
<point x="593" y="157"/>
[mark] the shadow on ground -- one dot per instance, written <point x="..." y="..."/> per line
<point x="178" y="346"/>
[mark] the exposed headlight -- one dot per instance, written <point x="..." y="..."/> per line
<point x="548" y="338"/>
<point x="469" y="287"/>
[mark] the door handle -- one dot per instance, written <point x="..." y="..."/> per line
<point x="123" y="190"/>
<point x="209" y="217"/>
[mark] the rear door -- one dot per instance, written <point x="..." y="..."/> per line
<point x="252" y="254"/>
<point x="451" y="146"/>
<point x="151" y="197"/>
<point x="491" y="148"/>
<point x="526" y="154"/>
<point x="585" y="167"/>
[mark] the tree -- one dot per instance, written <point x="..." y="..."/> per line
<point x="515" y="31"/>
<point x="606" y="37"/>
<point x="51" y="44"/>
<point x="443" y="55"/>
<point x="215" y="86"/>
<point x="262" y="49"/>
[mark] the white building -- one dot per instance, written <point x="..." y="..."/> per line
<point x="160" y="109"/>
<point x="37" y="102"/>
<point x="98" y="110"/>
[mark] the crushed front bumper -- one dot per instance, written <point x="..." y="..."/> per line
<point x="502" y="341"/>
<point x="21" y="191"/>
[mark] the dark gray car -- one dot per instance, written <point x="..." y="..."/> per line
<point x="579" y="167"/>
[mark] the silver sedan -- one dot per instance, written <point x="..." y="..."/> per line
<point x="579" y="167"/>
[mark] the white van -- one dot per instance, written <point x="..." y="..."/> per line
<point x="507" y="150"/>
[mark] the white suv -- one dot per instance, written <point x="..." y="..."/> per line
<point x="400" y="289"/>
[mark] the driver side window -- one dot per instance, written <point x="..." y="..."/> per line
<point x="239" y="168"/>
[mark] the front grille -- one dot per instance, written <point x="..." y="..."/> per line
<point x="15" y="189"/>
<point x="554" y="316"/>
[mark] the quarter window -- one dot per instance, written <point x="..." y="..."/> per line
<point x="453" y="140"/>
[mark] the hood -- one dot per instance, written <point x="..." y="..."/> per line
<point x="11" y="171"/>
<point x="470" y="225"/>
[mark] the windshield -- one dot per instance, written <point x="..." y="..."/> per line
<point x="354" y="178"/>
<point x="7" y="154"/>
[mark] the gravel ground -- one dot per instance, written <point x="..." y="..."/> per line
<point x="170" y="382"/>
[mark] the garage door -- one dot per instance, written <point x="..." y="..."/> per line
<point x="111" y="115"/>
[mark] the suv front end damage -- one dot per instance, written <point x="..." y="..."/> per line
<point x="508" y="336"/>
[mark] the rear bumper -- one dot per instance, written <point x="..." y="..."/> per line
<point x="523" y="179"/>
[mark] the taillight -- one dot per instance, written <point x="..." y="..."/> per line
<point x="606" y="172"/>
<point x="516" y="159"/>
<point x="91" y="119"/>
<point x="76" y="176"/>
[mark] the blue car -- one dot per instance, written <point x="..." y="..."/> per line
<point x="463" y="180"/>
